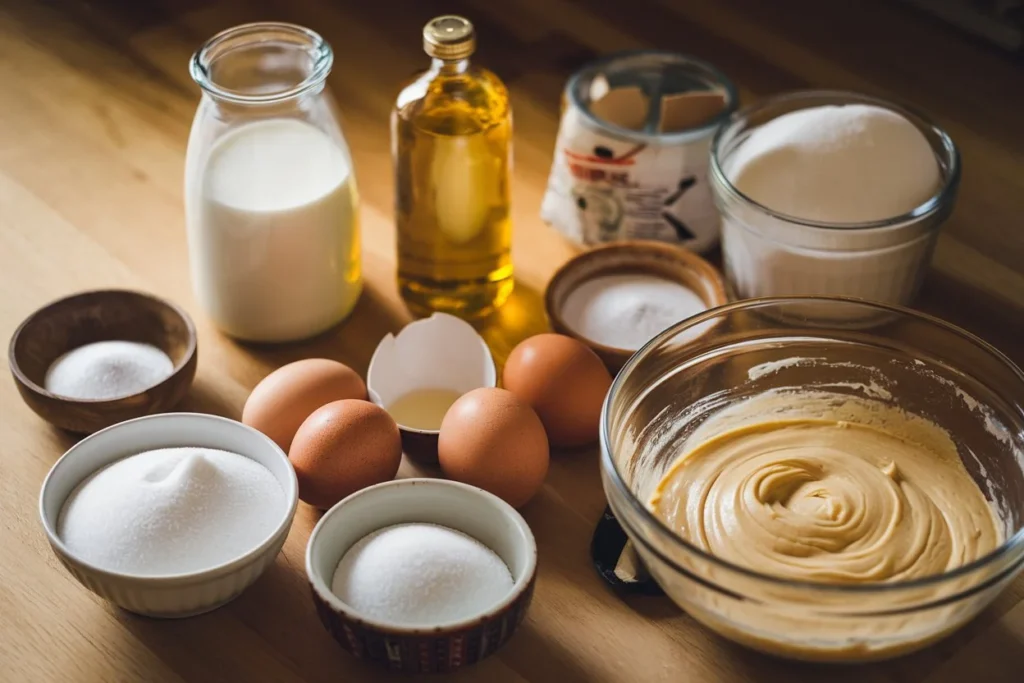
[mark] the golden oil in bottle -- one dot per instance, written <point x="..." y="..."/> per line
<point x="451" y="132"/>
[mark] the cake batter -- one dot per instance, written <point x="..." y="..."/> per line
<point x="855" y="494"/>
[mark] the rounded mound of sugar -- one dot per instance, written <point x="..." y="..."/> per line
<point x="171" y="511"/>
<point x="844" y="164"/>
<point x="107" y="369"/>
<point x="420" y="575"/>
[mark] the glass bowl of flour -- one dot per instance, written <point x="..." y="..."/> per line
<point x="820" y="479"/>
<point x="827" y="193"/>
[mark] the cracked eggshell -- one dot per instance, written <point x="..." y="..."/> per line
<point x="439" y="352"/>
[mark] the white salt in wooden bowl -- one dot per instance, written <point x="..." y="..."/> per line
<point x="177" y="595"/>
<point x="441" y="648"/>
<point x="665" y="261"/>
<point x="103" y="315"/>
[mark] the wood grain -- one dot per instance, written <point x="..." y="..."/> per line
<point x="94" y="117"/>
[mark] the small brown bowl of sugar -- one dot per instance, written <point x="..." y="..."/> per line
<point x="616" y="297"/>
<point x="97" y="358"/>
<point x="422" y="575"/>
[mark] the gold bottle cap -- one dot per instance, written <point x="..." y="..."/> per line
<point x="449" y="37"/>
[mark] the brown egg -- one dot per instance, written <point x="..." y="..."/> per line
<point x="290" y="394"/>
<point x="343" y="447"/>
<point x="564" y="381"/>
<point x="491" y="439"/>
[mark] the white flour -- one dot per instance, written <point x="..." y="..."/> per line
<point x="626" y="311"/>
<point x="838" y="164"/>
<point x="107" y="370"/>
<point x="171" y="511"/>
<point x="834" y="164"/>
<point x="421" y="575"/>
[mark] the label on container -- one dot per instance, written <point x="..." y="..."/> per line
<point x="605" y="188"/>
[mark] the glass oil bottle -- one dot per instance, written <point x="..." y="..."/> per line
<point x="451" y="133"/>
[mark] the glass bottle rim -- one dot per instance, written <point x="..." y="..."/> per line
<point x="228" y="40"/>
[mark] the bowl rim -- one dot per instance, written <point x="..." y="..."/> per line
<point x="184" y="578"/>
<point x="612" y="474"/>
<point x="519" y="586"/>
<point x="692" y="260"/>
<point x="932" y="205"/>
<point x="23" y="379"/>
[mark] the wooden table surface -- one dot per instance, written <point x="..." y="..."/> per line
<point x="95" y="108"/>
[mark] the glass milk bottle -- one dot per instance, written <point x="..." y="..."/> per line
<point x="270" y="194"/>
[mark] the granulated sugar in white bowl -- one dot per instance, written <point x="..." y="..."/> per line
<point x="169" y="515"/>
<point x="171" y="511"/>
<point x="414" y="513"/>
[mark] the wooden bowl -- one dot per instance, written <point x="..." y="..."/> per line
<point x="104" y="315"/>
<point x="637" y="256"/>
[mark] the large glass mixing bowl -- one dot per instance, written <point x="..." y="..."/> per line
<point x="917" y="363"/>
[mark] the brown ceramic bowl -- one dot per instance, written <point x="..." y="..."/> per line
<point x="647" y="257"/>
<point x="440" y="648"/>
<point x="95" y="316"/>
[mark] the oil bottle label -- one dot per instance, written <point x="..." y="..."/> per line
<point x="605" y="188"/>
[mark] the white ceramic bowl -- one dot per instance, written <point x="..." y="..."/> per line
<point x="175" y="595"/>
<point x="444" y="647"/>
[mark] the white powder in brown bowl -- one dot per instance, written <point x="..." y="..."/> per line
<point x="421" y="575"/>
<point x="624" y="311"/>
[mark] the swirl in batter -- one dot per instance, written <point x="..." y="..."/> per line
<point x="828" y="500"/>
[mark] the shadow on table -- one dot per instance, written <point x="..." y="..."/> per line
<point x="204" y="398"/>
<point x="62" y="440"/>
<point x="354" y="340"/>
<point x="535" y="655"/>
<point x="522" y="316"/>
<point x="984" y="651"/>
<point x="351" y="342"/>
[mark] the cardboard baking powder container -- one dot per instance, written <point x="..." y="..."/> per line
<point x="631" y="158"/>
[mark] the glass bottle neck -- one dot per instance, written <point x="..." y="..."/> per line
<point x="262" y="63"/>
<point x="449" y="67"/>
